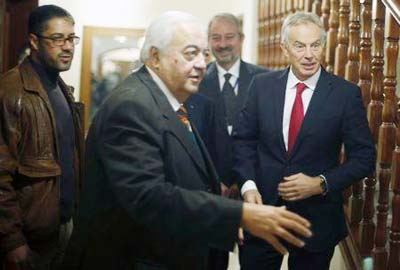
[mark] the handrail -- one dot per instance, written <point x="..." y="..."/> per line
<point x="393" y="6"/>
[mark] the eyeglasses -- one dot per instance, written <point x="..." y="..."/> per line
<point x="60" y="41"/>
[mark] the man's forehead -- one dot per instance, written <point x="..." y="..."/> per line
<point x="311" y="37"/>
<point x="190" y="37"/>
<point x="224" y="21"/>
<point x="58" y="23"/>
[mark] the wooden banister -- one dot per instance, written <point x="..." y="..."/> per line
<point x="393" y="6"/>
<point x="333" y="23"/>
<point x="343" y="38"/>
<point x="393" y="261"/>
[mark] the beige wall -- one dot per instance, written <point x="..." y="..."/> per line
<point x="138" y="14"/>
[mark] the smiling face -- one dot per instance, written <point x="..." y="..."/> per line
<point x="225" y="42"/>
<point x="182" y="65"/>
<point x="304" y="49"/>
<point x="53" y="57"/>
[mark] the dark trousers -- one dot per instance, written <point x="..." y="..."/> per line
<point x="257" y="254"/>
<point x="218" y="260"/>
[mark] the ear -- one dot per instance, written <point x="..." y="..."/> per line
<point x="155" y="57"/>
<point x="242" y="38"/>
<point x="284" y="49"/>
<point x="34" y="42"/>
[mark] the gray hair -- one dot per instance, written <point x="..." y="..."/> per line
<point x="226" y="17"/>
<point x="162" y="30"/>
<point x="301" y="18"/>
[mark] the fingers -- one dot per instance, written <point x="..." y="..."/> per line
<point x="292" y="177"/>
<point x="289" y="192"/>
<point x="234" y="192"/>
<point x="287" y="185"/>
<point x="281" y="231"/>
<point x="297" y="218"/>
<point x="282" y="189"/>
<point x="296" y="223"/>
<point x="258" y="199"/>
<point x="290" y="238"/>
<point x="224" y="190"/>
<point x="252" y="196"/>
<point x="294" y="196"/>
<point x="276" y="244"/>
<point x="241" y="236"/>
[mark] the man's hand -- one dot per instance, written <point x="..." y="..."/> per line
<point x="240" y="236"/>
<point x="299" y="186"/>
<point x="271" y="223"/>
<point x="231" y="192"/>
<point x="224" y="190"/>
<point x="252" y="196"/>
<point x="19" y="258"/>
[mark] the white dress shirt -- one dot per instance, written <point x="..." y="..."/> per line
<point x="290" y="95"/>
<point x="234" y="80"/>
<point x="171" y="98"/>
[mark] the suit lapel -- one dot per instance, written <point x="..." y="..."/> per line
<point x="278" y="92"/>
<point x="174" y="124"/>
<point x="213" y="83"/>
<point x="318" y="98"/>
<point x="207" y="159"/>
<point x="244" y="81"/>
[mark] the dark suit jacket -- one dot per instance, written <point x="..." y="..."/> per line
<point x="220" y="147"/>
<point x="201" y="110"/>
<point x="335" y="116"/>
<point x="147" y="193"/>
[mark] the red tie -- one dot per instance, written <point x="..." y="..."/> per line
<point x="296" y="118"/>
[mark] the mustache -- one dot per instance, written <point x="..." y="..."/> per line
<point x="228" y="49"/>
<point x="66" y="54"/>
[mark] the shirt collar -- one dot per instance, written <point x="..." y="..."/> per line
<point x="171" y="98"/>
<point x="310" y="82"/>
<point x="234" y="70"/>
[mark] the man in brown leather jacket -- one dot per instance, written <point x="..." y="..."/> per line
<point x="41" y="141"/>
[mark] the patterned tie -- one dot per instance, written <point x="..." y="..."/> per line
<point x="229" y="96"/>
<point x="184" y="117"/>
<point x="296" y="118"/>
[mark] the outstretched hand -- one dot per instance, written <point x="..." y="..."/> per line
<point x="274" y="223"/>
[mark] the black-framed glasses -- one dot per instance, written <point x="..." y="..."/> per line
<point x="60" y="41"/>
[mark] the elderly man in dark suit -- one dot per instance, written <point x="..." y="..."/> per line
<point x="148" y="198"/>
<point x="288" y="141"/>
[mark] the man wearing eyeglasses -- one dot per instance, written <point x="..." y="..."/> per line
<point x="41" y="141"/>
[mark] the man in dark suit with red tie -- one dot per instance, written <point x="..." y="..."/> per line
<point x="288" y="141"/>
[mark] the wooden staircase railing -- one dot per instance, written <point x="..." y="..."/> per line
<point x="362" y="46"/>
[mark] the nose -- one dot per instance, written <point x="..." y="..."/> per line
<point x="308" y="52"/>
<point x="68" y="45"/>
<point x="200" y="62"/>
